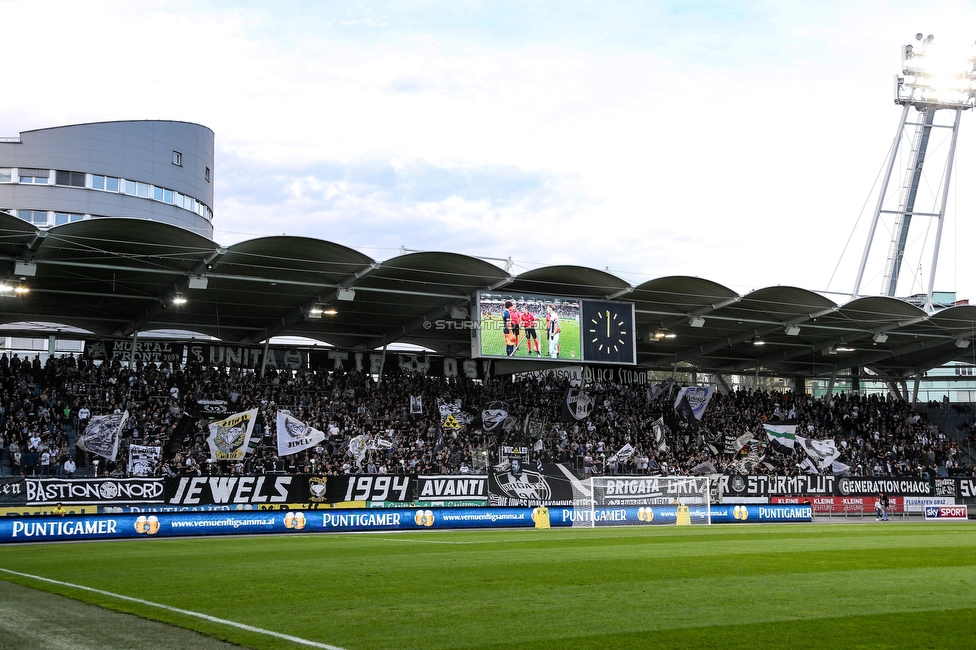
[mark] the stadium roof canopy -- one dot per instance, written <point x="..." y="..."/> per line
<point x="117" y="277"/>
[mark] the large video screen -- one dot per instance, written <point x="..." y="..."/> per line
<point x="554" y="328"/>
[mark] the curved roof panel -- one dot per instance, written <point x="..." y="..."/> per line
<point x="117" y="277"/>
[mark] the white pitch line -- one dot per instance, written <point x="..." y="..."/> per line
<point x="186" y="612"/>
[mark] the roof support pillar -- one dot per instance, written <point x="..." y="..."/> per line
<point x="264" y="356"/>
<point x="132" y="352"/>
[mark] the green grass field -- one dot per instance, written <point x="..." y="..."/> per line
<point x="493" y="341"/>
<point x="734" y="586"/>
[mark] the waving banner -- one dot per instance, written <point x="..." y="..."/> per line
<point x="144" y="460"/>
<point x="102" y="435"/>
<point x="698" y="398"/>
<point x="295" y="436"/>
<point x="229" y="437"/>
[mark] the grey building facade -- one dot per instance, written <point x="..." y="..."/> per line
<point x="142" y="169"/>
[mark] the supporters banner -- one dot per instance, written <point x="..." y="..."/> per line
<point x="577" y="405"/>
<point x="891" y="485"/>
<point x="452" y="415"/>
<point x="294" y="435"/>
<point x="186" y="426"/>
<point x="495" y="417"/>
<point x="144" y="461"/>
<point x="645" y="490"/>
<point x="395" y="364"/>
<point x="814" y="485"/>
<point x="94" y="491"/>
<point x="238" y="491"/>
<point x="101" y="436"/>
<point x="660" y="441"/>
<point x="399" y="488"/>
<point x="243" y="356"/>
<point x="963" y="488"/>
<point x="229" y="438"/>
<point x="13" y="492"/>
<point x="782" y="435"/>
<point x="765" y="486"/>
<point x="442" y="489"/>
<point x="822" y="453"/>
<point x="357" y="449"/>
<point x="145" y="351"/>
<point x="553" y="486"/>
<point x="210" y="408"/>
<point x="698" y="398"/>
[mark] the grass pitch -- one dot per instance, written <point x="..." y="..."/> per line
<point x="742" y="586"/>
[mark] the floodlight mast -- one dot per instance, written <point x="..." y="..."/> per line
<point x="927" y="89"/>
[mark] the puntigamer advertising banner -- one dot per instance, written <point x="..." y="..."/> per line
<point x="168" y="524"/>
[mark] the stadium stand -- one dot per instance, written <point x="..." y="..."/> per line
<point x="44" y="408"/>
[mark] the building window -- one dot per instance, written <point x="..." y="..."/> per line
<point x="73" y="179"/>
<point x="5" y="175"/>
<point x="206" y="173"/>
<point x="61" y="218"/>
<point x="37" y="176"/>
<point x="177" y="159"/>
<point x="107" y="183"/>
<point x="36" y="217"/>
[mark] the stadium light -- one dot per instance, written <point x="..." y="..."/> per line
<point x="178" y="299"/>
<point x="936" y="75"/>
<point x="791" y="330"/>
<point x="880" y="337"/>
<point x="962" y="343"/>
<point x="19" y="289"/>
<point x="316" y="311"/>
<point x="697" y="321"/>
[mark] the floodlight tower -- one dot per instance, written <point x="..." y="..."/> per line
<point x="928" y="83"/>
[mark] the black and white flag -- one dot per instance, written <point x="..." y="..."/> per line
<point x="493" y="416"/>
<point x="577" y="405"/>
<point x="294" y="435"/>
<point x="660" y="441"/>
<point x="101" y="436"/>
<point x="416" y="405"/>
<point x="143" y="461"/>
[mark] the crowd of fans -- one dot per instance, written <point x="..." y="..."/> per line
<point x="45" y="407"/>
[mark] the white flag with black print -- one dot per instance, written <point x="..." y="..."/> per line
<point x="144" y="460"/>
<point x="294" y="435"/>
<point x="102" y="435"/>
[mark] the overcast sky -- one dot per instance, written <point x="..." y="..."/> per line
<point x="736" y="141"/>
